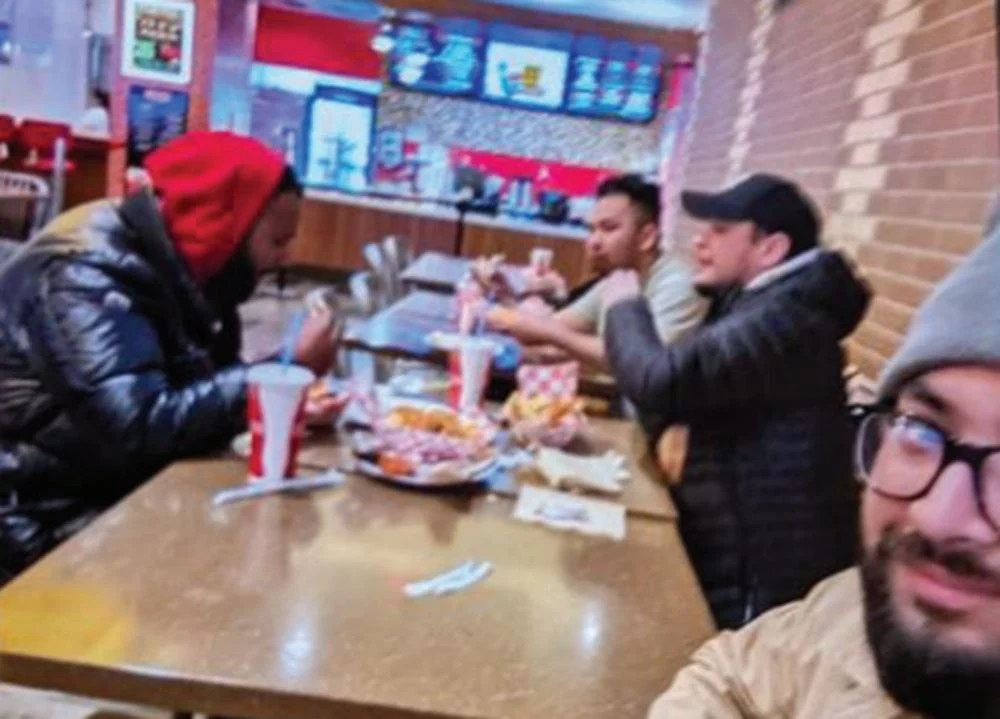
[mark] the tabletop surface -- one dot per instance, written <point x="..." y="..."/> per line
<point x="292" y="607"/>
<point x="645" y="493"/>
<point x="404" y="328"/>
<point x="437" y="272"/>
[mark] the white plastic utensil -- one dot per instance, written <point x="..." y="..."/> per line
<point x="332" y="478"/>
<point x="464" y="575"/>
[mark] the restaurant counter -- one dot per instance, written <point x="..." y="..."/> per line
<point x="336" y="226"/>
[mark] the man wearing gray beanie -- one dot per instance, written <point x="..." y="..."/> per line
<point x="915" y="630"/>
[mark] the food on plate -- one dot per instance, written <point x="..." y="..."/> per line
<point x="429" y="436"/>
<point x="434" y="420"/>
<point x="541" y="408"/>
<point x="395" y="464"/>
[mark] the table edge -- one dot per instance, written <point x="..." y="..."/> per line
<point x="186" y="694"/>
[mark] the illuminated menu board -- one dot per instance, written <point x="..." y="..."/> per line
<point x="525" y="67"/>
<point x="443" y="57"/>
<point x="616" y="80"/>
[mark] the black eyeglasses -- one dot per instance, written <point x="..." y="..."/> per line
<point x="908" y="454"/>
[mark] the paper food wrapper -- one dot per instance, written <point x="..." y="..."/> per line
<point x="605" y="473"/>
<point x="568" y="512"/>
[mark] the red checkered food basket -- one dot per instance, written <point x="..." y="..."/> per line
<point x="557" y="382"/>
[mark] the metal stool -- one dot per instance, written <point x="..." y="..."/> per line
<point x="24" y="204"/>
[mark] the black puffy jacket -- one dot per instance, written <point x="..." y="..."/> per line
<point x="767" y="502"/>
<point x="110" y="363"/>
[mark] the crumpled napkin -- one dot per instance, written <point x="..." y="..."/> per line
<point x="605" y="473"/>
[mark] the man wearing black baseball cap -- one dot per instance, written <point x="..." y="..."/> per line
<point x="766" y="499"/>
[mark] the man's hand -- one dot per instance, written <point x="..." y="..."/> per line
<point x="526" y="327"/>
<point x="316" y="347"/>
<point x="620" y="286"/>
<point x="324" y="410"/>
<point x="535" y="306"/>
<point x="543" y="354"/>
<point x="551" y="284"/>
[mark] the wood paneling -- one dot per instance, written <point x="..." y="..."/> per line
<point x="568" y="253"/>
<point x="332" y="235"/>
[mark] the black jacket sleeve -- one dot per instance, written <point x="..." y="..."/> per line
<point x="104" y="358"/>
<point x="737" y="360"/>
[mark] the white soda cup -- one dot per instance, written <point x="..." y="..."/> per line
<point x="276" y="400"/>
<point x="470" y="369"/>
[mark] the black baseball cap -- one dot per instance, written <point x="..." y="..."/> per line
<point x="772" y="203"/>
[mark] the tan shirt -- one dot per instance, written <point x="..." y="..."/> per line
<point x="805" y="660"/>
<point x="668" y="288"/>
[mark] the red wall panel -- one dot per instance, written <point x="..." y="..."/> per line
<point x="316" y="42"/>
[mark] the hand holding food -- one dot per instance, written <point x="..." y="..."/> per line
<point x="323" y="406"/>
<point x="488" y="272"/>
<point x="316" y="345"/>
<point x="526" y="327"/>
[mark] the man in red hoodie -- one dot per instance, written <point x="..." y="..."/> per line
<point x="120" y="338"/>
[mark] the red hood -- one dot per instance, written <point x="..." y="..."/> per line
<point x="212" y="187"/>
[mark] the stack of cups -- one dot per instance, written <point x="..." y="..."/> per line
<point x="540" y="262"/>
<point x="277" y="397"/>
<point x="469" y="368"/>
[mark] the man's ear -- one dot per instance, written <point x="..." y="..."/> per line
<point x="775" y="249"/>
<point x="649" y="237"/>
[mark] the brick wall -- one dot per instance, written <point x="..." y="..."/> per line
<point x="885" y="110"/>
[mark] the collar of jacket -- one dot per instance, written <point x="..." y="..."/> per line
<point x="141" y="215"/>
<point x="783" y="270"/>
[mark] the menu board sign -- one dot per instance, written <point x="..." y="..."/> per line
<point x="589" y="53"/>
<point x="158" y="42"/>
<point x="444" y="57"/>
<point x="614" y="80"/>
<point x="154" y="117"/>
<point x="644" y="85"/>
<point x="529" y="68"/>
<point x="526" y="67"/>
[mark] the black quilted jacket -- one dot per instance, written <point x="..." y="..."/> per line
<point x="767" y="502"/>
<point x="109" y="370"/>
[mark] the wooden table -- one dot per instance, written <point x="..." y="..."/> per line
<point x="645" y="495"/>
<point x="291" y="608"/>
<point x="402" y="331"/>
<point x="438" y="272"/>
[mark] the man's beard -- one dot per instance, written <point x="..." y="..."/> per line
<point x="933" y="681"/>
<point x="234" y="284"/>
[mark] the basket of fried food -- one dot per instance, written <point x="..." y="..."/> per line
<point x="545" y="420"/>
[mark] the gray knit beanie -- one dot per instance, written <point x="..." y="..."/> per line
<point x="959" y="323"/>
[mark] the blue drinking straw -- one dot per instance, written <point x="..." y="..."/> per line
<point x="291" y="337"/>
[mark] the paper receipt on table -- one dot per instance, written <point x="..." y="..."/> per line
<point x="559" y="510"/>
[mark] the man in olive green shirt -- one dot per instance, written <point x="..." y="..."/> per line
<point x="624" y="235"/>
